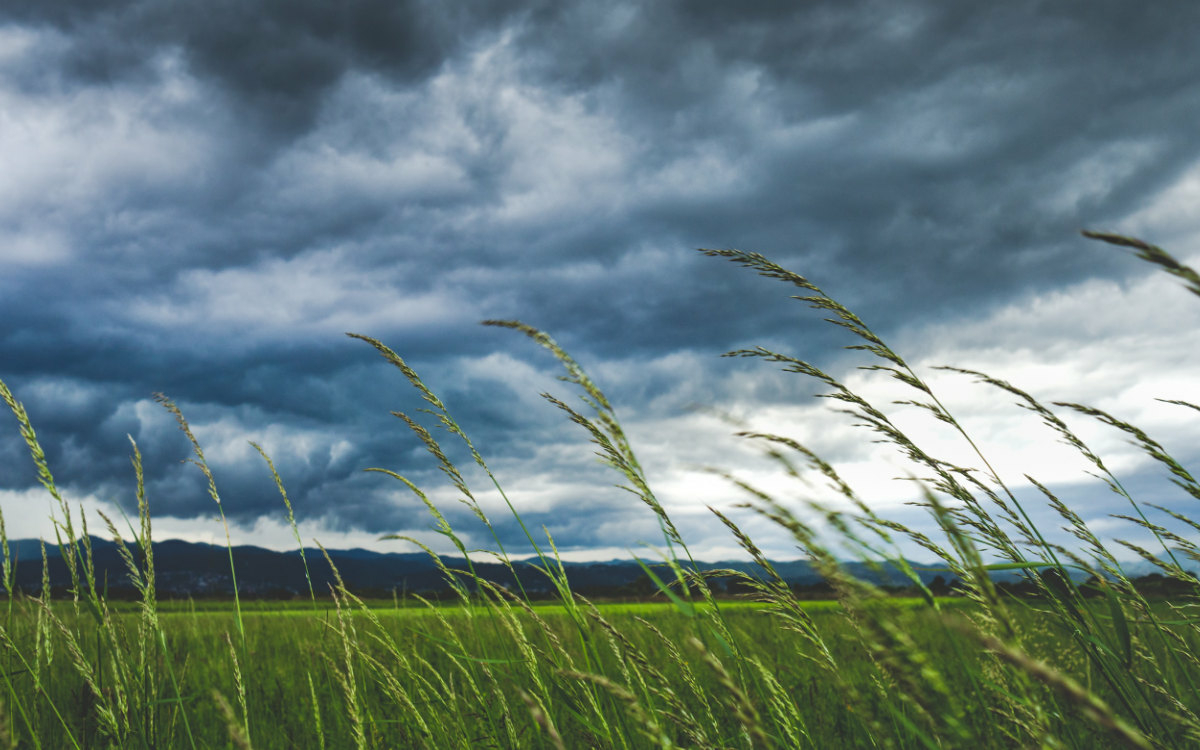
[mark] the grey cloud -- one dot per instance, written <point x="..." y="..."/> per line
<point x="556" y="163"/>
<point x="276" y="59"/>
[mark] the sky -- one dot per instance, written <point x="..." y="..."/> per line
<point x="201" y="199"/>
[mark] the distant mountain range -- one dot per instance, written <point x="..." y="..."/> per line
<point x="198" y="569"/>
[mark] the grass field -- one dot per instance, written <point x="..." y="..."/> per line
<point x="1068" y="668"/>
<point x="294" y="667"/>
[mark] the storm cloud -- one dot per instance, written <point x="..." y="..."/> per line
<point x="201" y="198"/>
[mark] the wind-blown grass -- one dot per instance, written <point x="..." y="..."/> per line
<point x="494" y="668"/>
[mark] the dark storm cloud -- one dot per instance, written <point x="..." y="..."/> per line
<point x="963" y="122"/>
<point x="201" y="198"/>
<point x="276" y="59"/>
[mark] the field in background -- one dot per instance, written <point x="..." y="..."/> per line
<point x="1074" y="666"/>
<point x="293" y="662"/>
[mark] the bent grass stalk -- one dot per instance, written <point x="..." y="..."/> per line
<point x="290" y="516"/>
<point x="200" y="462"/>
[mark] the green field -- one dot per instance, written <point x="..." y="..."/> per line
<point x="463" y="676"/>
<point x="1067" y="666"/>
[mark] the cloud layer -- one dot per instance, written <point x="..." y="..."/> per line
<point x="200" y="199"/>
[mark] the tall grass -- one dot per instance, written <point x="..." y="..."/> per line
<point x="494" y="668"/>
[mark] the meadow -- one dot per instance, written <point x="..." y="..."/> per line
<point x="1071" y="667"/>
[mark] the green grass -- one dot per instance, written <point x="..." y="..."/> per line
<point x="491" y="668"/>
<point x="287" y="648"/>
